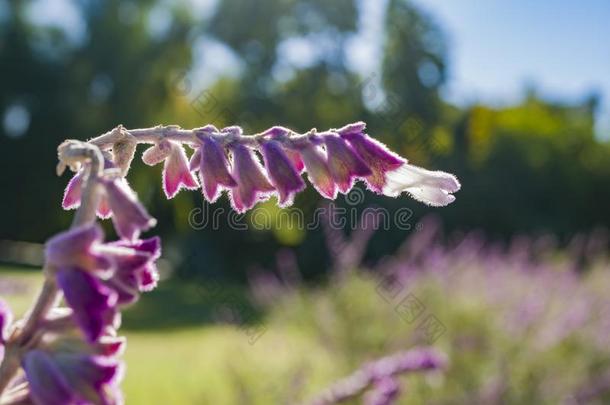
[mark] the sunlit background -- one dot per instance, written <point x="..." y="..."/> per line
<point x="512" y="97"/>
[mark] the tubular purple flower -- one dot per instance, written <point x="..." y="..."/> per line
<point x="93" y="379"/>
<point x="375" y="155"/>
<point x="57" y="378"/>
<point x="129" y="216"/>
<point x="282" y="173"/>
<point x="252" y="183"/>
<point x="46" y="383"/>
<point x="317" y="170"/>
<point x="279" y="132"/>
<point x="344" y="163"/>
<point x="213" y="168"/>
<point x="78" y="247"/>
<point x="93" y="303"/>
<point x="176" y="172"/>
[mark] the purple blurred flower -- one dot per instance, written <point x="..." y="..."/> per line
<point x="282" y="172"/>
<point x="252" y="183"/>
<point x="381" y="375"/>
<point x="176" y="171"/>
<point x="78" y="247"/>
<point x="384" y="392"/>
<point x="72" y="378"/>
<point x="129" y="216"/>
<point x="46" y="383"/>
<point x="6" y="317"/>
<point x="135" y="269"/>
<point x="92" y="302"/>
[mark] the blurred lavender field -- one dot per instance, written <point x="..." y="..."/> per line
<point x="524" y="322"/>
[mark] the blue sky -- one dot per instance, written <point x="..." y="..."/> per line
<point x="562" y="47"/>
<point x="497" y="47"/>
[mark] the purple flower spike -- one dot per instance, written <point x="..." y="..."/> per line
<point x="430" y="187"/>
<point x="46" y="383"/>
<point x="93" y="303"/>
<point x="128" y="215"/>
<point x="6" y="317"/>
<point x="252" y="183"/>
<point x="213" y="169"/>
<point x="344" y="164"/>
<point x="375" y="155"/>
<point x="318" y="171"/>
<point x="78" y="247"/>
<point x="284" y="176"/>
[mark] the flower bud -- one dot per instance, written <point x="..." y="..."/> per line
<point x="213" y="170"/>
<point x="317" y="170"/>
<point x="128" y="215"/>
<point x="282" y="173"/>
<point x="344" y="163"/>
<point x="93" y="303"/>
<point x="252" y="183"/>
<point x="374" y="154"/>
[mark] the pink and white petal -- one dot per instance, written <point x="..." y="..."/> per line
<point x="72" y="193"/>
<point x="176" y="172"/>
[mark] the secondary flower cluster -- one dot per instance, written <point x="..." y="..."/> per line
<point x="75" y="360"/>
<point x="228" y="160"/>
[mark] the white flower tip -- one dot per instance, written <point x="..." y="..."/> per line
<point x="430" y="187"/>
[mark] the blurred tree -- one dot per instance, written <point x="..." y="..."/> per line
<point x="531" y="166"/>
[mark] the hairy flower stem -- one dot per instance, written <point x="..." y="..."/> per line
<point x="69" y="153"/>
